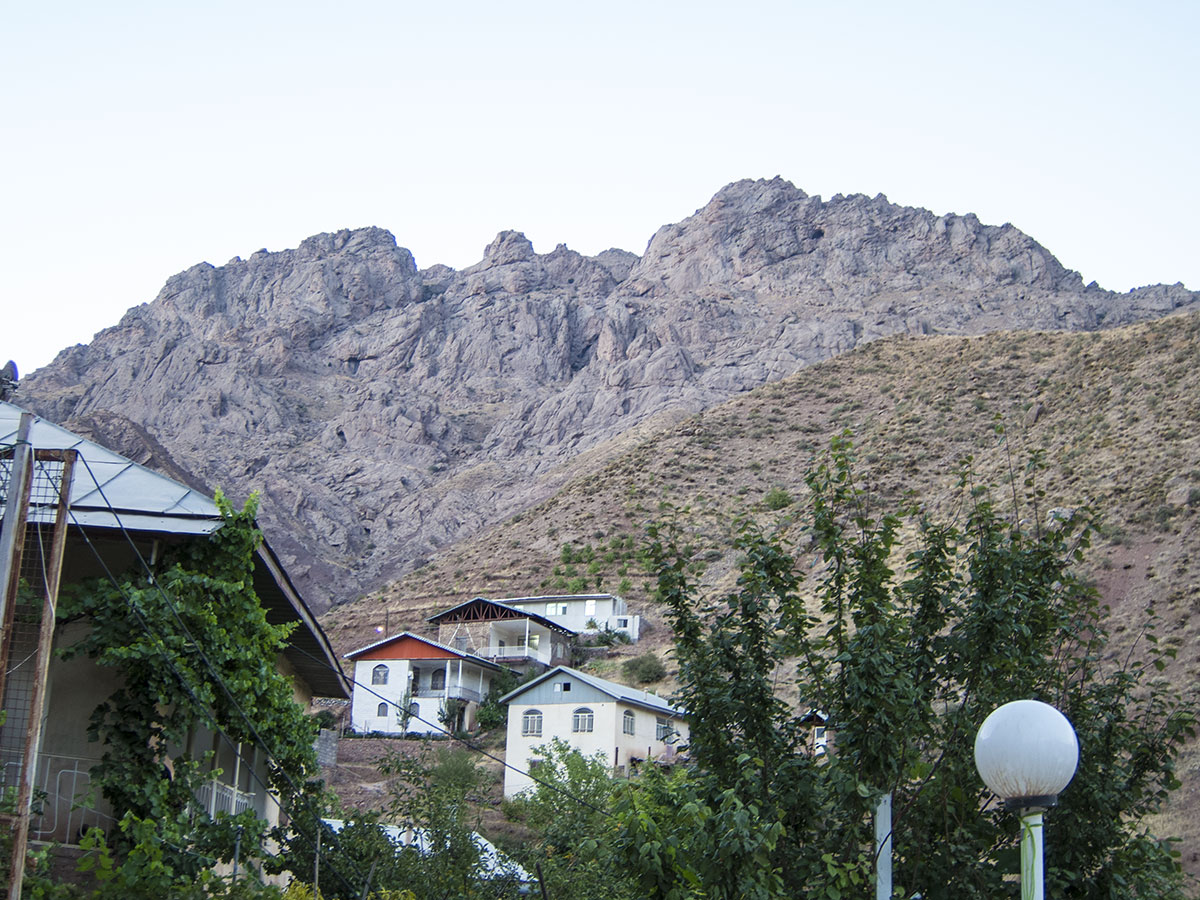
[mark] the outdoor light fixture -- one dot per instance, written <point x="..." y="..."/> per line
<point x="1026" y="752"/>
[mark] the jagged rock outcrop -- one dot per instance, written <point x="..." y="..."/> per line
<point x="385" y="411"/>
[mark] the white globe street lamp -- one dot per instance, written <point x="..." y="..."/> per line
<point x="1026" y="752"/>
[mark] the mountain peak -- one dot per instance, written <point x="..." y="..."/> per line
<point x="385" y="412"/>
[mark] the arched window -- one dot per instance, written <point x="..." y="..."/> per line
<point x="583" y="719"/>
<point x="437" y="681"/>
<point x="531" y="723"/>
<point x="414" y="708"/>
<point x="627" y="722"/>
<point x="379" y="674"/>
<point x="382" y="711"/>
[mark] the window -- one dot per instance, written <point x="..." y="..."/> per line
<point x="663" y="729"/>
<point x="589" y="607"/>
<point x="379" y="674"/>
<point x="534" y="641"/>
<point x="622" y="623"/>
<point x="437" y="681"/>
<point x="583" y="719"/>
<point x="460" y="642"/>
<point x="556" y="609"/>
<point x="414" y="708"/>
<point x="531" y="723"/>
<point x="627" y="722"/>
<point x="382" y="711"/>
<point x="566" y="686"/>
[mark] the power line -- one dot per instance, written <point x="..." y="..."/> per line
<point x="190" y="639"/>
<point x="466" y="742"/>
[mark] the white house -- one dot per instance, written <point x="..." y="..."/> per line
<point x="522" y="640"/>
<point x="594" y="716"/>
<point x="409" y="673"/>
<point x="584" y="613"/>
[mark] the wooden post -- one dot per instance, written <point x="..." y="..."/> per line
<point x="52" y="569"/>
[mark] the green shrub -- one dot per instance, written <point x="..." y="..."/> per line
<point x="777" y="498"/>
<point x="644" y="669"/>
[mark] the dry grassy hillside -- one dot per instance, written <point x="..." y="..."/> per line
<point x="1114" y="411"/>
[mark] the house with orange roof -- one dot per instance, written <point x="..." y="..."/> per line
<point x="408" y="683"/>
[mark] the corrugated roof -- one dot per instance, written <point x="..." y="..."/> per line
<point x="108" y="490"/>
<point x="497" y="605"/>
<point x="111" y="491"/>
<point x="617" y="691"/>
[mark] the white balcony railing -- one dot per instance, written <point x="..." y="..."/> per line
<point x="215" y="797"/>
<point x="454" y="692"/>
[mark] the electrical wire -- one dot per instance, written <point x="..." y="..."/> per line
<point x="210" y="720"/>
<point x="259" y="741"/>
<point x="467" y="743"/>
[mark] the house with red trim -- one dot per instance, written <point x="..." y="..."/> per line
<point x="408" y="683"/>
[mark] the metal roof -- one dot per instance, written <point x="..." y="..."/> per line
<point x="506" y="611"/>
<point x="112" y="492"/>
<point x="617" y="691"/>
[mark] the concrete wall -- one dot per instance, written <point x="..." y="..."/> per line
<point x="586" y="614"/>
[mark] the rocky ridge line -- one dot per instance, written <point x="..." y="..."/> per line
<point x="385" y="411"/>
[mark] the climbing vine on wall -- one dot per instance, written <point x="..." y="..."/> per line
<point x="194" y="651"/>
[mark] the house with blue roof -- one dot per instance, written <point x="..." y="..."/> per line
<point x="626" y="725"/>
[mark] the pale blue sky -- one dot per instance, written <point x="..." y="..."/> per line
<point x="141" y="138"/>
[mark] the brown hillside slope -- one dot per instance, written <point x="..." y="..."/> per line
<point x="1115" y="413"/>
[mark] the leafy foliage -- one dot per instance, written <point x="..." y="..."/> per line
<point x="570" y="809"/>
<point x="644" y="669"/>
<point x="430" y="798"/>
<point x="194" y="651"/>
<point x="906" y="666"/>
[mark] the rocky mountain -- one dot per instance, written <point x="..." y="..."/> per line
<point x="385" y="411"/>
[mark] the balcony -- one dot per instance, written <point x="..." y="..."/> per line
<point x="455" y="692"/>
<point x="215" y="797"/>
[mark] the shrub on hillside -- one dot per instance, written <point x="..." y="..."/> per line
<point x="644" y="669"/>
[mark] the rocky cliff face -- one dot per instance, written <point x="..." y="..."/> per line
<point x="385" y="411"/>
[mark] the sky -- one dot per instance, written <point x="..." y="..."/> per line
<point x="140" y="138"/>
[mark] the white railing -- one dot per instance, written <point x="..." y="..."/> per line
<point x="215" y="797"/>
<point x="62" y="808"/>
<point x="455" y="692"/>
<point x="496" y="652"/>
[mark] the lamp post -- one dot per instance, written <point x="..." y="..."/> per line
<point x="1026" y="752"/>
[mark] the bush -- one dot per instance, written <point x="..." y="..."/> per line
<point x="777" y="498"/>
<point x="644" y="669"/>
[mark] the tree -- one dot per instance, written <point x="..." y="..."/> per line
<point x="570" y="811"/>
<point x="905" y="666"/>
<point x="431" y="799"/>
